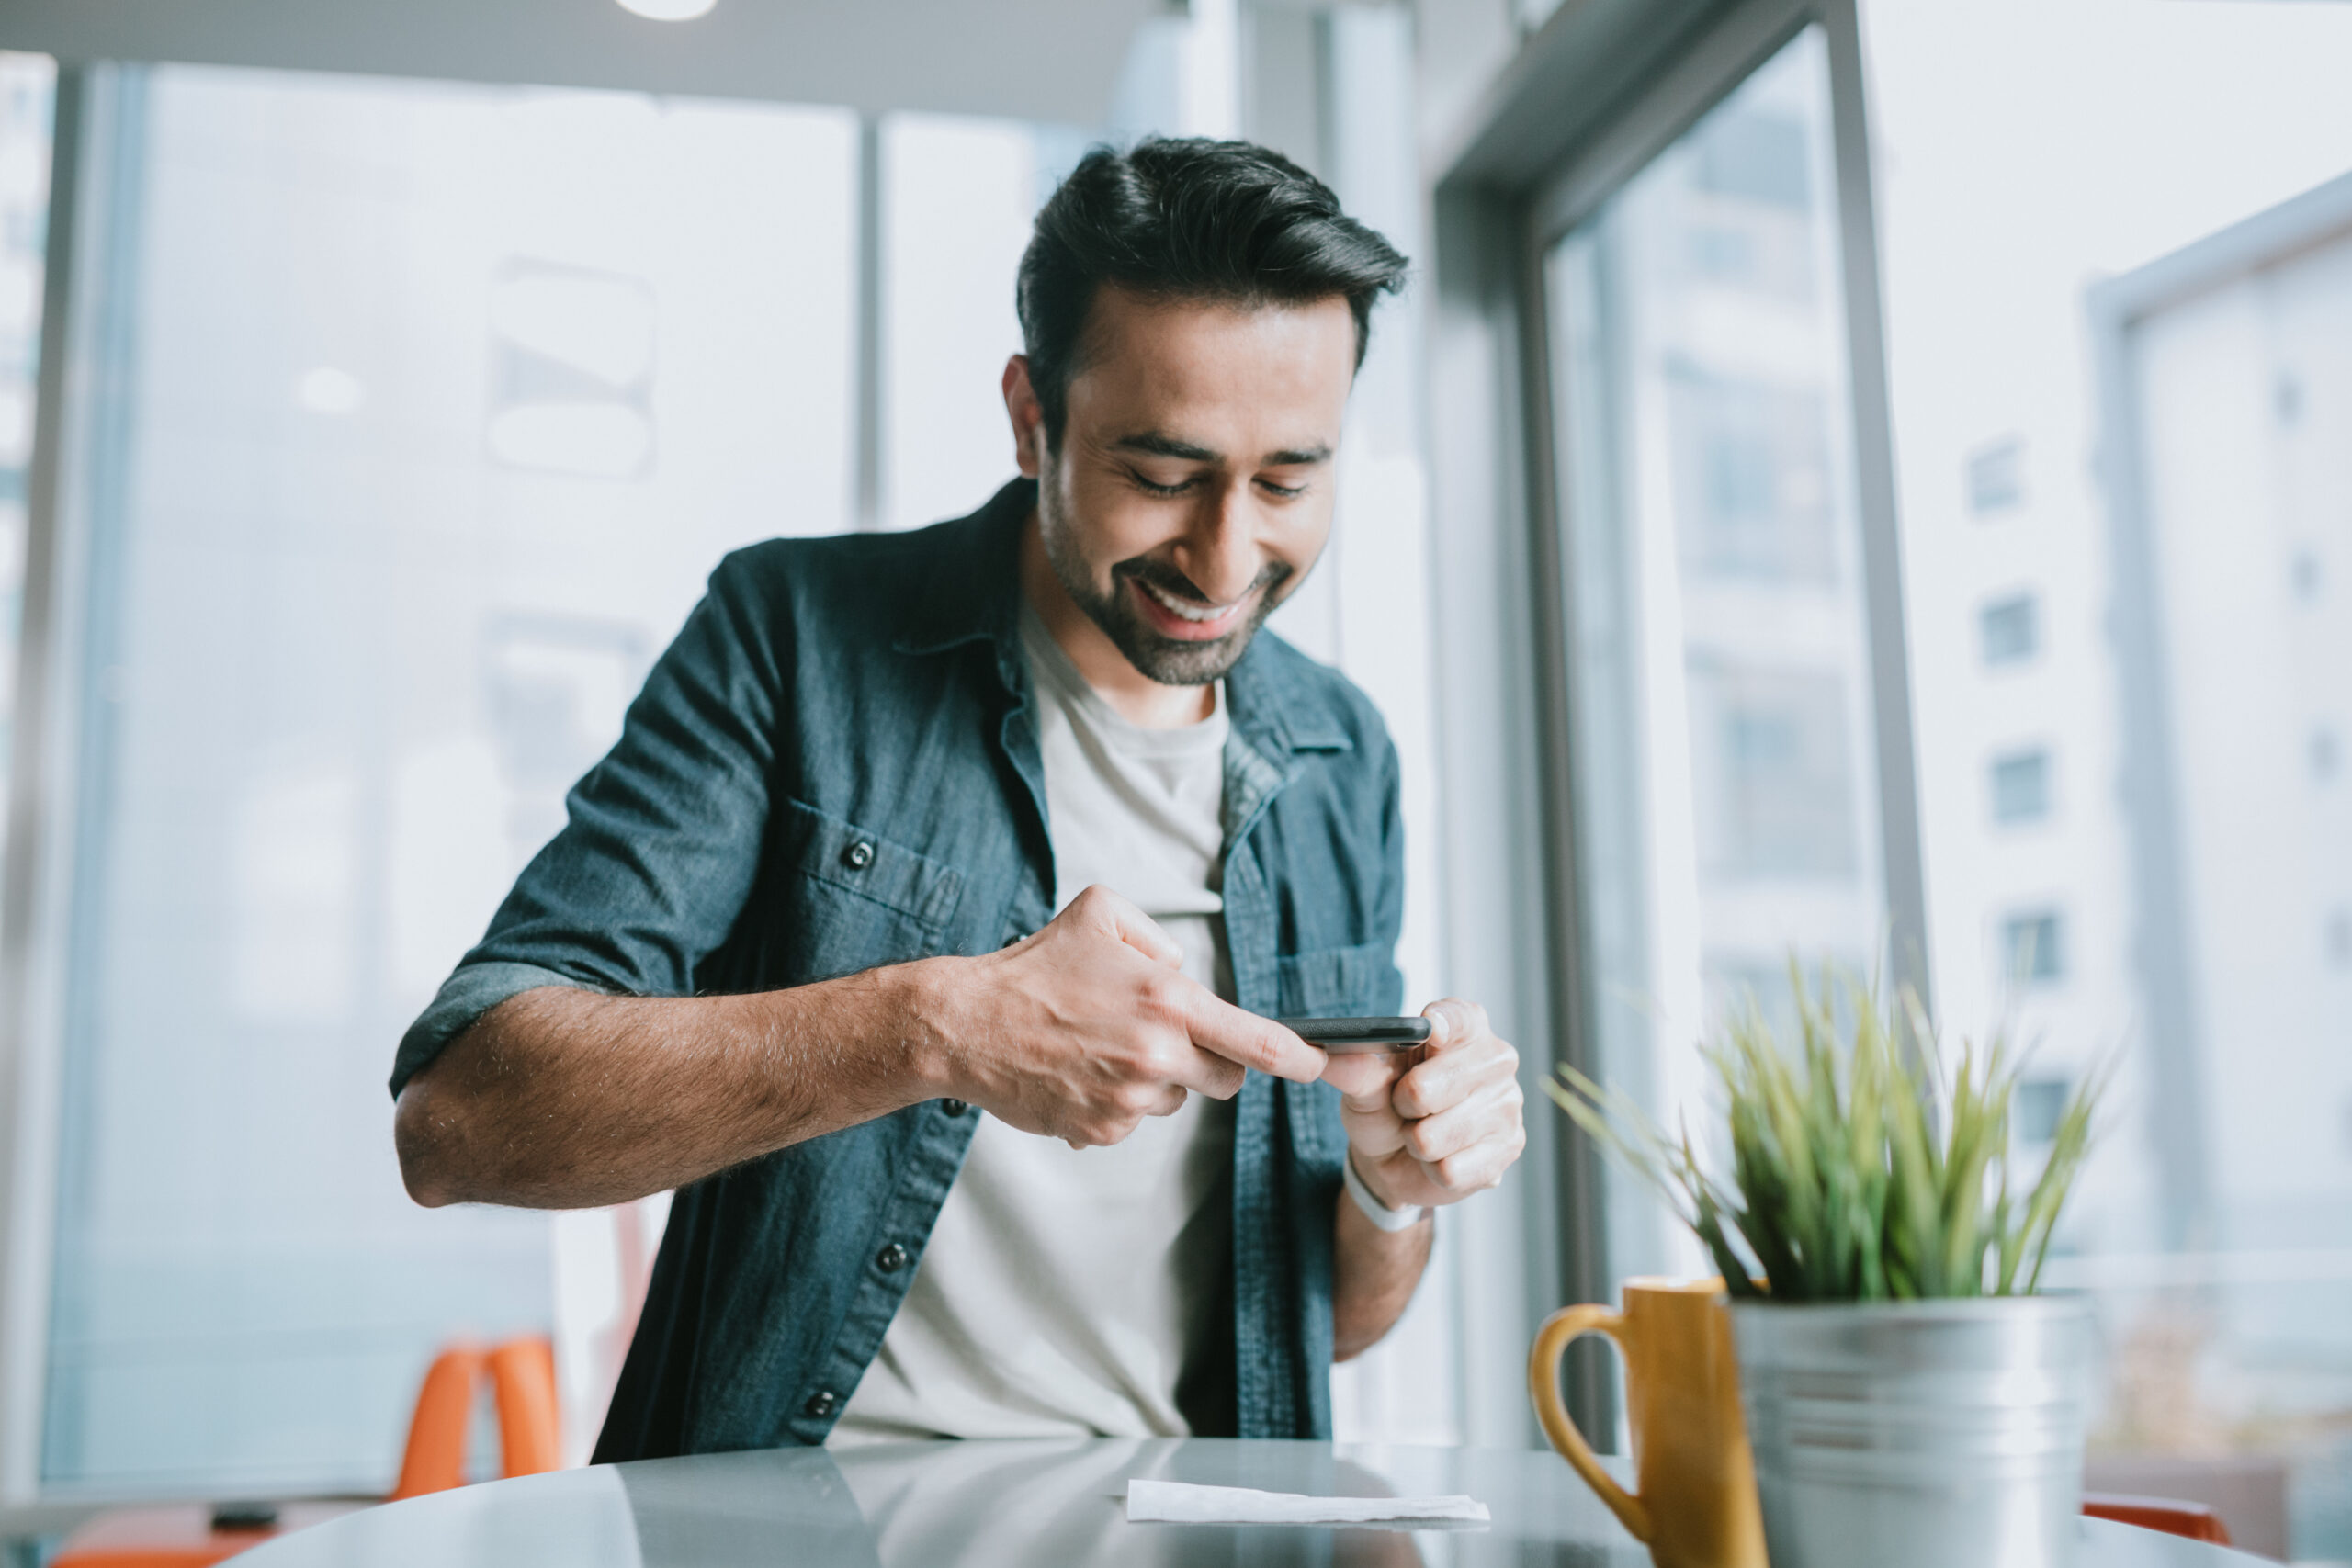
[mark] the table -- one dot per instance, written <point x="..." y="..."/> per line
<point x="1022" y="1505"/>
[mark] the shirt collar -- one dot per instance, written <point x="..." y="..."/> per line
<point x="974" y="589"/>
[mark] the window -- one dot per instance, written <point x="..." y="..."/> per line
<point x="1728" y="806"/>
<point x="1754" y="500"/>
<point x="2009" y="630"/>
<point x="403" y="542"/>
<point x="2196" y="943"/>
<point x="1772" y="773"/>
<point x="1996" y="478"/>
<point x="2032" y="950"/>
<point x="1749" y="217"/>
<point x="2287" y="400"/>
<point x="2205" y="935"/>
<point x="2021" y="787"/>
<point x="2040" y="1105"/>
<point x="1755" y="151"/>
<point x="2303" y="572"/>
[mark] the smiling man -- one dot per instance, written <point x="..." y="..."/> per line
<point x="925" y="926"/>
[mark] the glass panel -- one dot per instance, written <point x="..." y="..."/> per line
<point x="1720" y="681"/>
<point x="442" y="401"/>
<point x="27" y="87"/>
<point x="2213" y="1226"/>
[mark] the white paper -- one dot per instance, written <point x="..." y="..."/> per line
<point x="1177" y="1503"/>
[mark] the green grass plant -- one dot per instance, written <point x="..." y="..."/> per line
<point x="1859" y="1171"/>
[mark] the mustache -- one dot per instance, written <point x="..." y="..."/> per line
<point x="1168" y="579"/>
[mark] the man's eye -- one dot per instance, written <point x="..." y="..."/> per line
<point x="1282" y="491"/>
<point x="1150" y="486"/>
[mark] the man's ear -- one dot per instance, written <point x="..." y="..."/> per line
<point x="1028" y="417"/>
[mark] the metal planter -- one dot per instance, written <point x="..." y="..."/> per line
<point x="1930" y="1434"/>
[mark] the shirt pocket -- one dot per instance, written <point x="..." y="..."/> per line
<point x="864" y="900"/>
<point x="1339" y="982"/>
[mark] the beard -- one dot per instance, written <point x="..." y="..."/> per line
<point x="1171" y="662"/>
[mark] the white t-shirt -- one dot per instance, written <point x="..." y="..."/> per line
<point x="1061" y="1288"/>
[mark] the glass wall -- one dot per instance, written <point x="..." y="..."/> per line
<point x="2195" y="945"/>
<point x="437" y="405"/>
<point x="1720" y="680"/>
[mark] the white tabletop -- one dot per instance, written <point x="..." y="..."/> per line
<point x="926" y="1504"/>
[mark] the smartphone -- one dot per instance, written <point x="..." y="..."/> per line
<point x="1360" y="1034"/>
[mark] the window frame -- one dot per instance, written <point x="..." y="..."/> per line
<point x="1594" y="96"/>
<point x="76" y="294"/>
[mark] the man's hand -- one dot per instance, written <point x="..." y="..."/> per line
<point x="1082" y="1029"/>
<point x="1434" y="1125"/>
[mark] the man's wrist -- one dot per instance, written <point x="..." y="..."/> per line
<point x="1378" y="1210"/>
<point x="919" y="1002"/>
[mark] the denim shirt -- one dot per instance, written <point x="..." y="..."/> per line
<point x="835" y="766"/>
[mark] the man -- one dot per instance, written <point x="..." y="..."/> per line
<point x="951" y="1162"/>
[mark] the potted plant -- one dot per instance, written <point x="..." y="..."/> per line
<point x="1909" y="1395"/>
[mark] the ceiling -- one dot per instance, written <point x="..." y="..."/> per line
<point x="1041" y="60"/>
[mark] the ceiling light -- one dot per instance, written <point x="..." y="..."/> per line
<point x="669" y="10"/>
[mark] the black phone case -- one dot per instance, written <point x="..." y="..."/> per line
<point x="1360" y="1034"/>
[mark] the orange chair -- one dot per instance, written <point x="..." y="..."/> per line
<point x="2193" y="1520"/>
<point x="196" y="1535"/>
<point x="522" y="1375"/>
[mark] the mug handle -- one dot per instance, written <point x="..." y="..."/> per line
<point x="1544" y="1385"/>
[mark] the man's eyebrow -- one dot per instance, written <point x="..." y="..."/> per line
<point x="1158" y="444"/>
<point x="1151" y="443"/>
<point x="1154" y="444"/>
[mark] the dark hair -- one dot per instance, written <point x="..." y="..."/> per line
<point x="1188" y="220"/>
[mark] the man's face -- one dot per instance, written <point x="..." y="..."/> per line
<point x="1193" y="486"/>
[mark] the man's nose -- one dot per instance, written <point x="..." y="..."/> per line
<point x="1220" y="552"/>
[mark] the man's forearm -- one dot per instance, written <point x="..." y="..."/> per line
<point x="566" y="1098"/>
<point x="1374" y="1273"/>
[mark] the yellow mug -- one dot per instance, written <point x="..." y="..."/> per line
<point x="1695" y="1505"/>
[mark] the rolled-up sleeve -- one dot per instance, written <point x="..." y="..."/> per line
<point x="661" y="838"/>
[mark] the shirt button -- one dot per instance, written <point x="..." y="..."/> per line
<point x="953" y="1107"/>
<point x="821" y="1404"/>
<point x="891" y="1258"/>
<point x="859" y="855"/>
